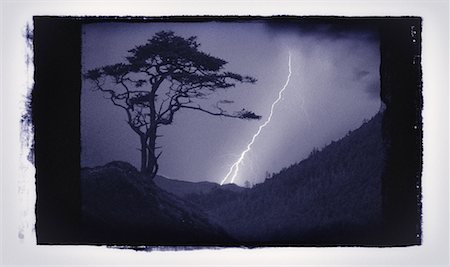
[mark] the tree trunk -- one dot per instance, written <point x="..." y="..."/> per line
<point x="152" y="164"/>
<point x="144" y="152"/>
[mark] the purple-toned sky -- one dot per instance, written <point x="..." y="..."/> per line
<point x="334" y="86"/>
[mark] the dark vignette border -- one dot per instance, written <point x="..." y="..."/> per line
<point x="55" y="109"/>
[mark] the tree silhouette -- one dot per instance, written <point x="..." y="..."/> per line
<point x="158" y="79"/>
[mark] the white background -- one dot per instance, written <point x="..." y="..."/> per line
<point x="17" y="183"/>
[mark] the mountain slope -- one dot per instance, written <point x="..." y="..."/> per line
<point x="119" y="206"/>
<point x="332" y="197"/>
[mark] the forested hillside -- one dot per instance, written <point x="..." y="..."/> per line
<point x="332" y="197"/>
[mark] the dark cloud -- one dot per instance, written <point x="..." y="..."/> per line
<point x="324" y="28"/>
<point x="373" y="89"/>
<point x="369" y="80"/>
<point x="358" y="75"/>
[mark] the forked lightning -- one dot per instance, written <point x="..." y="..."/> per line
<point x="232" y="173"/>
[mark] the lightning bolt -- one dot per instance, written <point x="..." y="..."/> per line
<point x="235" y="167"/>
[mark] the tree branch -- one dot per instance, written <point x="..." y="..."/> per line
<point x="237" y="115"/>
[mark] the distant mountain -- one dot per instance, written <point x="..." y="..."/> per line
<point x="121" y="207"/>
<point x="233" y="188"/>
<point x="184" y="188"/>
<point x="332" y="197"/>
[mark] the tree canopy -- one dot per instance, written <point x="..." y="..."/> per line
<point x="161" y="77"/>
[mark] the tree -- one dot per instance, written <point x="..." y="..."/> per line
<point x="160" y="78"/>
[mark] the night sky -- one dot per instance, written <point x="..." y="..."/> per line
<point x="334" y="86"/>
